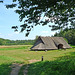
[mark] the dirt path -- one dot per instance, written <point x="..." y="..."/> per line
<point x="25" y="71"/>
<point x="15" y="68"/>
<point x="33" y="60"/>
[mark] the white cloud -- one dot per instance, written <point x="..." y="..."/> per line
<point x="16" y="32"/>
<point x="0" y="33"/>
<point x="52" y="32"/>
<point x="48" y="33"/>
<point x="45" y="31"/>
<point x="10" y="34"/>
<point x="13" y="34"/>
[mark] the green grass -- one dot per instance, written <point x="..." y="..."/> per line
<point x="73" y="46"/>
<point x="15" y="47"/>
<point x="5" y="69"/>
<point x="22" y="54"/>
<point x="22" y="69"/>
<point x="9" y="55"/>
<point x="63" y="66"/>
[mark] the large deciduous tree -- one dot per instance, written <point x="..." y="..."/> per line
<point x="34" y="12"/>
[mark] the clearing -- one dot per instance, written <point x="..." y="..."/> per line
<point x="21" y="54"/>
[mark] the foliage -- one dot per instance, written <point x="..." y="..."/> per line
<point x="66" y="40"/>
<point x="1" y="1"/>
<point x="42" y="12"/>
<point x="17" y="42"/>
<point x="73" y="46"/>
<point x="69" y="34"/>
<point x="2" y="41"/>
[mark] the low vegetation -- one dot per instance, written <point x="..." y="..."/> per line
<point x="22" y="54"/>
<point x="63" y="66"/>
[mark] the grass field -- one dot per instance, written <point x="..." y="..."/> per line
<point x="22" y="54"/>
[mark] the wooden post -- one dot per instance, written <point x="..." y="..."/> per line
<point x="42" y="58"/>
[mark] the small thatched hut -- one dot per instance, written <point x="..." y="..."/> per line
<point x="49" y="43"/>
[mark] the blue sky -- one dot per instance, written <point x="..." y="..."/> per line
<point x="8" y="18"/>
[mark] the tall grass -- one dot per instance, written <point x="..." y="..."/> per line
<point x="5" y="69"/>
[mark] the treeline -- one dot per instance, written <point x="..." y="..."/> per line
<point x="69" y="34"/>
<point x="17" y="42"/>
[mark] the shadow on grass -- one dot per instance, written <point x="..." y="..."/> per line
<point x="62" y="66"/>
<point x="5" y="69"/>
<point x="21" y="72"/>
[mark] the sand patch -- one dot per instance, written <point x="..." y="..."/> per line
<point x="33" y="60"/>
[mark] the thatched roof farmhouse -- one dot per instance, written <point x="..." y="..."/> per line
<point x="50" y="43"/>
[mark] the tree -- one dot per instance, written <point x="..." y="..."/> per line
<point x="1" y="42"/>
<point x="69" y="34"/>
<point x="59" y="12"/>
<point x="1" y="1"/>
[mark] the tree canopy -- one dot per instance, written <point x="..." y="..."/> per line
<point x="69" y="34"/>
<point x="16" y="42"/>
<point x="34" y="12"/>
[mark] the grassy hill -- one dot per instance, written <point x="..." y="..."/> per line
<point x="62" y="66"/>
<point x="56" y="62"/>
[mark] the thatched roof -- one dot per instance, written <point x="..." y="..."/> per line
<point x="60" y="40"/>
<point x="48" y="43"/>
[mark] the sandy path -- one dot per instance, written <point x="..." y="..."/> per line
<point x="33" y="60"/>
<point x="25" y="71"/>
<point x="15" y="68"/>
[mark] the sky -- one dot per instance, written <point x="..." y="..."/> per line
<point x="9" y="18"/>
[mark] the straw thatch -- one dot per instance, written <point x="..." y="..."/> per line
<point x="48" y="43"/>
